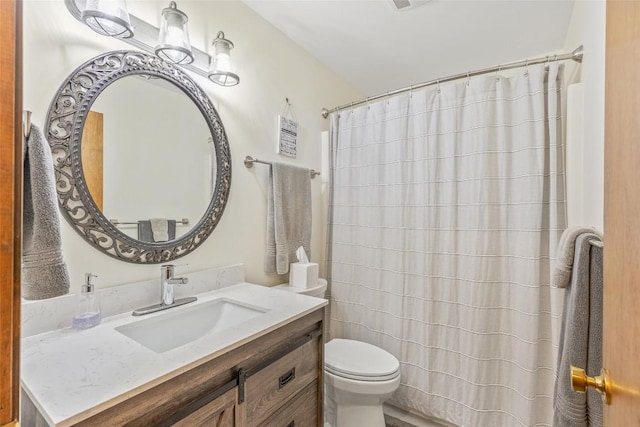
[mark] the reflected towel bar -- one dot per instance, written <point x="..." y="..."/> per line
<point x="183" y="221"/>
<point x="249" y="161"/>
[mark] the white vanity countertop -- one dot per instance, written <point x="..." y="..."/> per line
<point x="72" y="374"/>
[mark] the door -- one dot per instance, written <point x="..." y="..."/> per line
<point x="93" y="155"/>
<point x="621" y="333"/>
<point x="10" y="207"/>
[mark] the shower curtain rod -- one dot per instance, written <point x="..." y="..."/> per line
<point x="576" y="55"/>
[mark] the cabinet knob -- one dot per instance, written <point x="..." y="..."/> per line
<point x="602" y="383"/>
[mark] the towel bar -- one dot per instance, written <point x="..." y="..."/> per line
<point x="183" y="221"/>
<point x="597" y="243"/>
<point x="249" y="161"/>
<point x="26" y="126"/>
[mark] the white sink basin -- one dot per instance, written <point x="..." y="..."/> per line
<point x="181" y="325"/>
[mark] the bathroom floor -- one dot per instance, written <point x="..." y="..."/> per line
<point x="394" y="422"/>
<point x="391" y="421"/>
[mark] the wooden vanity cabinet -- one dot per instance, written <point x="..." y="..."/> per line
<point x="220" y="412"/>
<point x="274" y="380"/>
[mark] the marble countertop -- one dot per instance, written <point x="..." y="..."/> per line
<point x="72" y="374"/>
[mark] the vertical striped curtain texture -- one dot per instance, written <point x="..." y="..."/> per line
<point x="446" y="209"/>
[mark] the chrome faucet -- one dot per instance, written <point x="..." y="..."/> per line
<point x="166" y="292"/>
<point x="166" y="283"/>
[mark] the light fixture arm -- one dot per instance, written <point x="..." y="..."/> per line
<point x="145" y="38"/>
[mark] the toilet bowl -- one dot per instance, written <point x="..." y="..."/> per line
<point x="358" y="377"/>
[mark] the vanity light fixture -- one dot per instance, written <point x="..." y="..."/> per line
<point x="220" y="71"/>
<point x="108" y="17"/>
<point x="173" y="39"/>
<point x="149" y="38"/>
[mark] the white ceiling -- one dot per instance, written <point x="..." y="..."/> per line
<point x="377" y="49"/>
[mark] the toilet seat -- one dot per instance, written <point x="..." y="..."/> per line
<point x="360" y="361"/>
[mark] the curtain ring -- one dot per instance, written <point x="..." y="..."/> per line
<point x="498" y="73"/>
<point x="438" y="84"/>
<point x="468" y="78"/>
<point x="368" y="105"/>
<point x="388" y="98"/>
<point x="526" y="68"/>
<point x="411" y="91"/>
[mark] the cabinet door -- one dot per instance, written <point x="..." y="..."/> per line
<point x="301" y="411"/>
<point x="220" y="412"/>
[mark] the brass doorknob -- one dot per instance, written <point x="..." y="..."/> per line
<point x="580" y="381"/>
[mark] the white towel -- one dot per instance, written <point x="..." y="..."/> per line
<point x="288" y="216"/>
<point x="160" y="229"/>
<point x="566" y="251"/>
<point x="44" y="273"/>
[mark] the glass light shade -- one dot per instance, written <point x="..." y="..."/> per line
<point x="221" y="66"/>
<point x="173" y="40"/>
<point x="108" y="17"/>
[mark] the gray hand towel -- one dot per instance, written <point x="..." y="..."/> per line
<point x="44" y="273"/>
<point x="564" y="262"/>
<point x="581" y="337"/>
<point x="288" y="216"/>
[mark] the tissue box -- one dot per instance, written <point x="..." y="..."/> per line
<point x="303" y="275"/>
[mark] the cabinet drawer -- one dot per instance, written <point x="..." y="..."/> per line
<point x="269" y="388"/>
<point x="301" y="411"/>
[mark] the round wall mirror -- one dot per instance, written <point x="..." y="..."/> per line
<point x="142" y="161"/>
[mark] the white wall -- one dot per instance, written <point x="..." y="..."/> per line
<point x="271" y="67"/>
<point x="587" y="27"/>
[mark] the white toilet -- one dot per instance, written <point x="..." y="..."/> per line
<point x="358" y="377"/>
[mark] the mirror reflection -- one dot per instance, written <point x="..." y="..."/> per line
<point x="148" y="158"/>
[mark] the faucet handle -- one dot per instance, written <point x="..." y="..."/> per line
<point x="173" y="265"/>
<point x="170" y="268"/>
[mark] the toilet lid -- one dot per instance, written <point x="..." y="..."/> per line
<point x="359" y="360"/>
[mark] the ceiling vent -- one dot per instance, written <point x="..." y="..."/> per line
<point x="407" y="4"/>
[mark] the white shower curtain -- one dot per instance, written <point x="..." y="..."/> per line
<point x="446" y="210"/>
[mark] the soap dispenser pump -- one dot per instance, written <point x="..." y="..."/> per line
<point x="87" y="313"/>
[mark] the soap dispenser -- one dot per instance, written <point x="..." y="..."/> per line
<point x="87" y="313"/>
